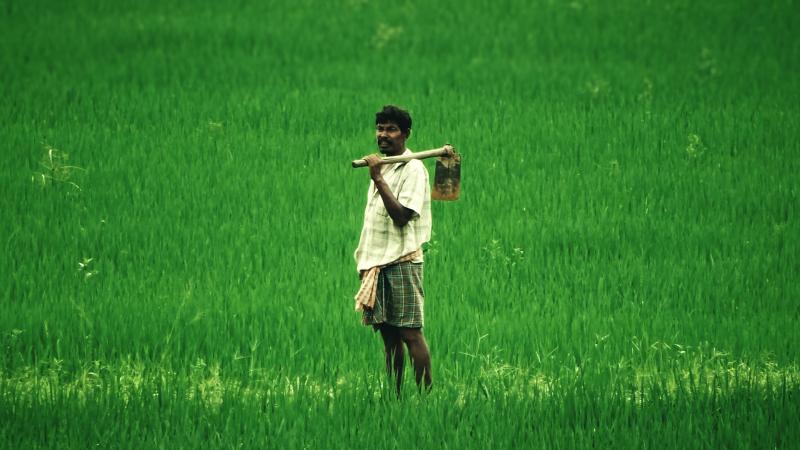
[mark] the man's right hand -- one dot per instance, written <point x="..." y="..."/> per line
<point x="374" y="163"/>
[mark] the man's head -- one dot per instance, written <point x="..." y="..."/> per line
<point x="392" y="128"/>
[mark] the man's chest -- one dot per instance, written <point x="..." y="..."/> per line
<point x="393" y="176"/>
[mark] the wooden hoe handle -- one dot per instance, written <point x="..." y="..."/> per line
<point x="447" y="150"/>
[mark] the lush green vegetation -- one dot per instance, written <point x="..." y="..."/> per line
<point x="179" y="217"/>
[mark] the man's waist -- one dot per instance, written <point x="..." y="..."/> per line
<point x="417" y="256"/>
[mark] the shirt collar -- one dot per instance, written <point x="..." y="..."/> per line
<point x="398" y="165"/>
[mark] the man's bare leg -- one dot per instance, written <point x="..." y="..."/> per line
<point x="395" y="355"/>
<point x="420" y="355"/>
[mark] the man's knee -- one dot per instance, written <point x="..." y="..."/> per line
<point x="391" y="338"/>
<point x="411" y="336"/>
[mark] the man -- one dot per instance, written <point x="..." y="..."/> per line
<point x="397" y="221"/>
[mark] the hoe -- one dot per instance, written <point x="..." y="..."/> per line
<point x="447" y="178"/>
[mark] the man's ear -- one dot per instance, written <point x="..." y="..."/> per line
<point x="408" y="133"/>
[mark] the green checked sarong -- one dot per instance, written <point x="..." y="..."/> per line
<point x="400" y="297"/>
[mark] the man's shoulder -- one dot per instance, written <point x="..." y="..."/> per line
<point x="415" y="165"/>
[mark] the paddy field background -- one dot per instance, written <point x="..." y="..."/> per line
<point x="179" y="216"/>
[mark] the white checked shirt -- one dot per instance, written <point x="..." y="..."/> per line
<point x="381" y="240"/>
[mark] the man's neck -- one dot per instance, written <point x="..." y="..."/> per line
<point x="397" y="153"/>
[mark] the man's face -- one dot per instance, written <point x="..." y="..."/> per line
<point x="391" y="141"/>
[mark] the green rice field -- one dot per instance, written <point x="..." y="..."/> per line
<point x="179" y="217"/>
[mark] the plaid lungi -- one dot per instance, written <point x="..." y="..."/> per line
<point x="400" y="298"/>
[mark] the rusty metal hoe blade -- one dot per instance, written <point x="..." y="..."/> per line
<point x="447" y="178"/>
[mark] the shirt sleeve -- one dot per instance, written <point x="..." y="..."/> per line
<point x="413" y="189"/>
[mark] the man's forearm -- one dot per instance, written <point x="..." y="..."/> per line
<point x="400" y="214"/>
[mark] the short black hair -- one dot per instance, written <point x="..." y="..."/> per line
<point x="394" y="114"/>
